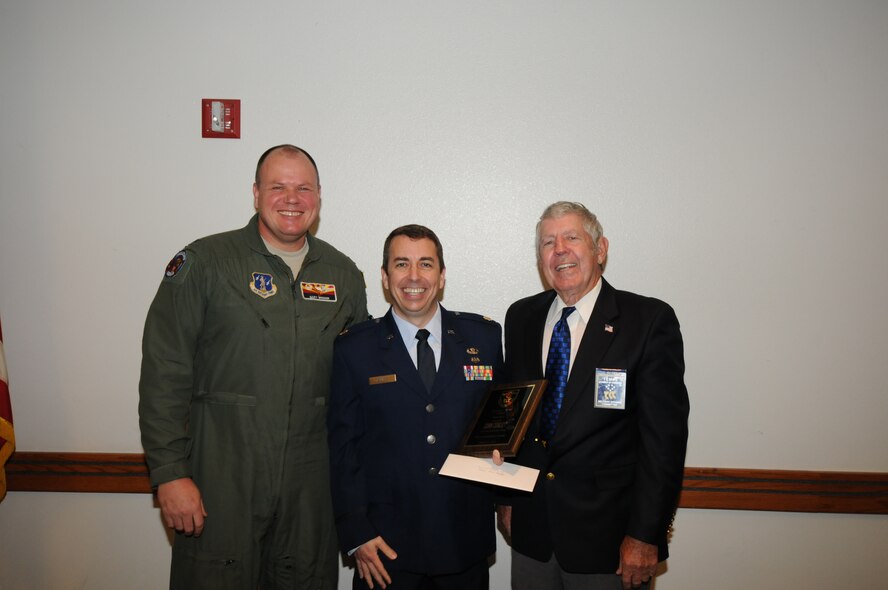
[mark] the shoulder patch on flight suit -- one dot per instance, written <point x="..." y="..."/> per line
<point x="177" y="267"/>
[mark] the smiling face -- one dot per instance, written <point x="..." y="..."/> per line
<point x="570" y="259"/>
<point x="413" y="278"/>
<point x="287" y="197"/>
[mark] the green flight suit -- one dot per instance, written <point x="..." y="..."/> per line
<point x="235" y="380"/>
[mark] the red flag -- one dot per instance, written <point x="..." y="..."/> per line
<point x="7" y="435"/>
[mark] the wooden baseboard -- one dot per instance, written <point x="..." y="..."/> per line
<point x="704" y="487"/>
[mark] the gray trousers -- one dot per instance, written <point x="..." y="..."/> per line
<point x="530" y="574"/>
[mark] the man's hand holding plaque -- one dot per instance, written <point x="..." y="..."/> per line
<point x="499" y="425"/>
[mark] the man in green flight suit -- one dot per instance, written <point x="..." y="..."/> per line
<point x="236" y="360"/>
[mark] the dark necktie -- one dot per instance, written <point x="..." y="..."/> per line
<point x="425" y="359"/>
<point x="557" y="370"/>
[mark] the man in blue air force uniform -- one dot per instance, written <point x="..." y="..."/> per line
<point x="404" y="390"/>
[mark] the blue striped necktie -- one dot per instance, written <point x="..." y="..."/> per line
<point x="557" y="370"/>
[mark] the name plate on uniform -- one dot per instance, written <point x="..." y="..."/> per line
<point x="502" y="419"/>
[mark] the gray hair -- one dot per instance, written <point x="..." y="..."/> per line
<point x="562" y="208"/>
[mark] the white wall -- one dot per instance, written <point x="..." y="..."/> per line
<point x="735" y="151"/>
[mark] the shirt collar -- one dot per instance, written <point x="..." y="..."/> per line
<point x="408" y="330"/>
<point x="584" y="306"/>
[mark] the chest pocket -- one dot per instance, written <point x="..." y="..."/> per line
<point x="321" y="319"/>
<point x="234" y="303"/>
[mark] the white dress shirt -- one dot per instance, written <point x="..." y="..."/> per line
<point x="408" y="335"/>
<point x="576" y="322"/>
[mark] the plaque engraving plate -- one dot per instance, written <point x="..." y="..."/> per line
<point x="502" y="419"/>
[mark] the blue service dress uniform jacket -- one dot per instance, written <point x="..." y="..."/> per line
<point x="389" y="437"/>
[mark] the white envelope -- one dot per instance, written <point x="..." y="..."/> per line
<point x="507" y="475"/>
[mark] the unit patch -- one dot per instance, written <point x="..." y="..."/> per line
<point x="175" y="264"/>
<point x="263" y="285"/>
<point x="318" y="291"/>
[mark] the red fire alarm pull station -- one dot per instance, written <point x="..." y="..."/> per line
<point x="220" y="117"/>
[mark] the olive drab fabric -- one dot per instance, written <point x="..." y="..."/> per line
<point x="233" y="393"/>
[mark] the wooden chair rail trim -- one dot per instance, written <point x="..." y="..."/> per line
<point x="786" y="491"/>
<point x="703" y="487"/>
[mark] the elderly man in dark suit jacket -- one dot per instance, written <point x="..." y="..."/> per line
<point x="610" y="436"/>
<point x="404" y="390"/>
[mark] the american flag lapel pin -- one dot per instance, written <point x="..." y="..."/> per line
<point x="608" y="328"/>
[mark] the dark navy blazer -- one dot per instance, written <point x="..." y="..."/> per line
<point x="388" y="437"/>
<point x="605" y="473"/>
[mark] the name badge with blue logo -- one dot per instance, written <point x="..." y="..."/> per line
<point x="610" y="389"/>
